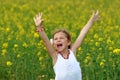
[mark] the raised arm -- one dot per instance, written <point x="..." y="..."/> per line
<point x="84" y="31"/>
<point x="38" y="22"/>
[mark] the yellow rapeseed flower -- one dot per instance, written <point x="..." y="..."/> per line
<point x="100" y="39"/>
<point x="88" y="54"/>
<point x="25" y="45"/>
<point x="110" y="48"/>
<point x="40" y="43"/>
<point x="102" y="64"/>
<point x="87" y="59"/>
<point x="79" y="49"/>
<point x="22" y="31"/>
<point x="44" y="48"/>
<point x="91" y="41"/>
<point x="7" y="29"/>
<point x="8" y="63"/>
<point x="109" y="41"/>
<point x="100" y="49"/>
<point x="36" y="35"/>
<point x="73" y="34"/>
<point x="4" y="51"/>
<point x="15" y="45"/>
<point x="5" y="45"/>
<point x="96" y="36"/>
<point x="97" y="44"/>
<point x="9" y="38"/>
<point x="40" y="58"/>
<point x="116" y="51"/>
<point x="39" y="53"/>
<point x="18" y="56"/>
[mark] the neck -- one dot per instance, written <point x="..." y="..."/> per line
<point x="65" y="51"/>
<point x="65" y="54"/>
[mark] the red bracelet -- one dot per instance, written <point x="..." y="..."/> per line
<point x="40" y="29"/>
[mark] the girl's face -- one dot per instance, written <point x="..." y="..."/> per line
<point x="60" y="42"/>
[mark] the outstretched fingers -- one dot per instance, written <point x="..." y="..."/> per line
<point x="40" y="15"/>
<point x="97" y="12"/>
<point x="95" y="15"/>
<point x="38" y="19"/>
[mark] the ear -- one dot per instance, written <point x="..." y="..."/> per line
<point x="69" y="42"/>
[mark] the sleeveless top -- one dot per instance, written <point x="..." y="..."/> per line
<point x="67" y="69"/>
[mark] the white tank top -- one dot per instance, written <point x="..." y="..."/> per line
<point x="67" y="69"/>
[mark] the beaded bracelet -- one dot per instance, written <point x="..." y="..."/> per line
<point x="40" y="29"/>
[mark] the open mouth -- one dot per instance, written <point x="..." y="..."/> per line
<point x="59" y="45"/>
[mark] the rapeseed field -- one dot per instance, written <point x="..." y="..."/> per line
<point x="23" y="55"/>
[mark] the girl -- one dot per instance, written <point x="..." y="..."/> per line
<point x="65" y="64"/>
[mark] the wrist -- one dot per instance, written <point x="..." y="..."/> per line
<point x="40" y="29"/>
<point x="91" y="21"/>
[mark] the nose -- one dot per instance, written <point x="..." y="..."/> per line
<point x="59" y="40"/>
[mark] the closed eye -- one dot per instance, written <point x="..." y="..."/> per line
<point x="61" y="38"/>
<point x="55" y="38"/>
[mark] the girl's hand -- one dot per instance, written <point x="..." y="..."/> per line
<point x="38" y="20"/>
<point x="95" y="16"/>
